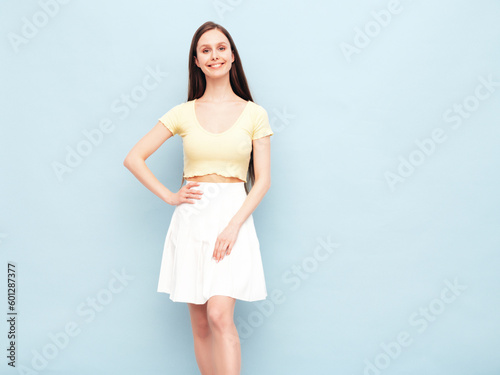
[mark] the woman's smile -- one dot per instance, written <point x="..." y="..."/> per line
<point x="215" y="66"/>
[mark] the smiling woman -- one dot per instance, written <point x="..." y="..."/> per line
<point x="211" y="254"/>
<point x="220" y="49"/>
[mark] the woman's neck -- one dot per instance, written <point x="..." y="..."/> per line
<point x="218" y="90"/>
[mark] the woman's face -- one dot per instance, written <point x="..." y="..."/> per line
<point x="214" y="55"/>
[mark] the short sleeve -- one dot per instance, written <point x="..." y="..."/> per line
<point x="261" y="124"/>
<point x="170" y="120"/>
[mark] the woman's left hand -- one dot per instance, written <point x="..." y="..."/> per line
<point x="225" y="241"/>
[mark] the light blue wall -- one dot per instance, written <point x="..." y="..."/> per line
<point x="380" y="235"/>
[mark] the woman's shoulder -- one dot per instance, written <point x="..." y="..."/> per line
<point x="179" y="108"/>
<point x="183" y="105"/>
<point x="255" y="106"/>
<point x="257" y="109"/>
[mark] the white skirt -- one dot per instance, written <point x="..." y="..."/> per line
<point x="188" y="271"/>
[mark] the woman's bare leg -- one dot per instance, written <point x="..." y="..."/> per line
<point x="202" y="338"/>
<point x="226" y="342"/>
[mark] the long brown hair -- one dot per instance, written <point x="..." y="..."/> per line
<point x="197" y="82"/>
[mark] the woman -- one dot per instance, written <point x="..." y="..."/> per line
<point x="211" y="255"/>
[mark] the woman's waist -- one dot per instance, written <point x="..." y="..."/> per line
<point x="214" y="178"/>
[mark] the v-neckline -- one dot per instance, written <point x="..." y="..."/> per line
<point x="225" y="131"/>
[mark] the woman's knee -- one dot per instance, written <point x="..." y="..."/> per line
<point x="219" y="319"/>
<point x="201" y="328"/>
<point x="199" y="321"/>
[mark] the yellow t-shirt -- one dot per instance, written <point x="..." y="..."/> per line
<point x="227" y="153"/>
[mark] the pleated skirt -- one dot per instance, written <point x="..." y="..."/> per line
<point x="188" y="272"/>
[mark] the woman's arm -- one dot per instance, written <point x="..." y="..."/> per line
<point x="135" y="161"/>
<point x="262" y="168"/>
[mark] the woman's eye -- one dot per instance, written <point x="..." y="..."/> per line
<point x="205" y="50"/>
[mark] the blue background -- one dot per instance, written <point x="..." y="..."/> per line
<point x="346" y="124"/>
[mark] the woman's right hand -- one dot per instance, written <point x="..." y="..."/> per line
<point x="186" y="194"/>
